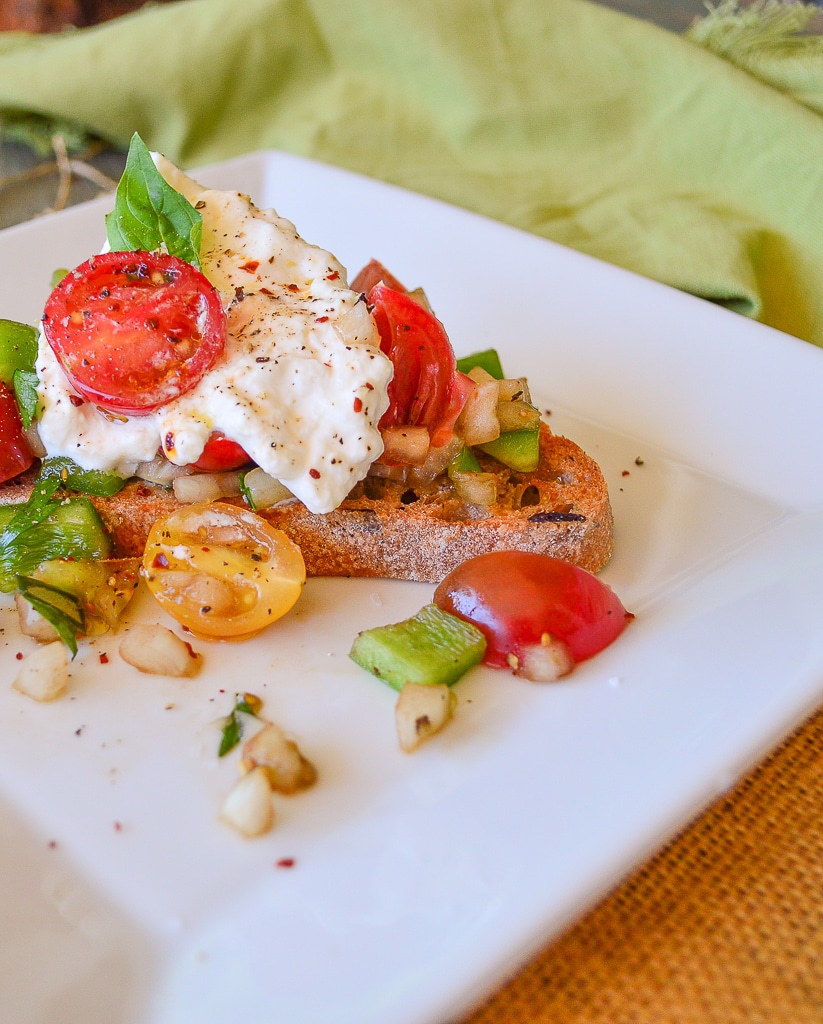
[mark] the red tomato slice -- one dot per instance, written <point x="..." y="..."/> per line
<point x="15" y="454"/>
<point x="422" y="357"/>
<point x="221" y="455"/>
<point x="459" y="390"/>
<point x="514" y="597"/>
<point x="375" y="273"/>
<point x="134" y="330"/>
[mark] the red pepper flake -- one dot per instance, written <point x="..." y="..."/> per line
<point x="285" y="862"/>
<point x="322" y="319"/>
<point x="118" y="827"/>
<point x="104" y="658"/>
<point x="370" y="386"/>
<point x="293" y="287"/>
<point x="76" y="401"/>
<point x="358" y="404"/>
<point x="169" y="442"/>
<point x="250" y="266"/>
<point x="314" y="474"/>
<point x="625" y="472"/>
<point x="191" y="650"/>
<point x="160" y="562"/>
<point x="333" y="276"/>
<point x="52" y="844"/>
<point x="19" y="655"/>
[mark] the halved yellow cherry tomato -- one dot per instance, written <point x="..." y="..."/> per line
<point x="222" y="571"/>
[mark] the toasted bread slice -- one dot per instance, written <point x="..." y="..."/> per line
<point x="390" y="529"/>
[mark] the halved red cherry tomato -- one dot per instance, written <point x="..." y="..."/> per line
<point x="134" y="330"/>
<point x="374" y="273"/>
<point x="517" y="597"/>
<point x="220" y="455"/>
<point x="15" y="454"/>
<point x="424" y="365"/>
<point x="460" y="388"/>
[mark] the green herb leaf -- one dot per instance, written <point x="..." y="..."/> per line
<point x="149" y="214"/>
<point x="246" y="492"/>
<point x="248" y="704"/>
<point x="42" y="529"/>
<point x="58" y="275"/>
<point x="232" y="733"/>
<point x="85" y="481"/>
<point x="62" y="609"/>
<point x="25" y="391"/>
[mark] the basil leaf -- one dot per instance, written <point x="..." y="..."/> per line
<point x="42" y="529"/>
<point x="25" y="391"/>
<point x="231" y="735"/>
<point x="149" y="214"/>
<point x="62" y="609"/>
<point x="75" y="478"/>
<point x="246" y="704"/>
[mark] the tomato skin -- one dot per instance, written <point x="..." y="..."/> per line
<point x="15" y="454"/>
<point x="460" y="388"/>
<point x="424" y="364"/>
<point x="514" y="597"/>
<point x="134" y="330"/>
<point x="220" y="455"/>
<point x="372" y="274"/>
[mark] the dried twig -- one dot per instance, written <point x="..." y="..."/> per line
<point x="66" y="168"/>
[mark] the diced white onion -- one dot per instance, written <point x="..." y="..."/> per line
<point x="475" y="488"/>
<point x="155" y="650"/>
<point x="405" y="445"/>
<point x="478" y="422"/>
<point x="545" y="662"/>
<point x="386" y="472"/>
<point x="435" y="463"/>
<point x="288" y="771"/>
<point x="517" y="415"/>
<point x="44" y="674"/>
<point x="249" y="807"/>
<point x="160" y="471"/>
<point x="421" y="711"/>
<point x="512" y="388"/>
<point x="200" y="487"/>
<point x="32" y="436"/>
<point x="32" y="623"/>
<point x="264" y="490"/>
<point x="478" y="374"/>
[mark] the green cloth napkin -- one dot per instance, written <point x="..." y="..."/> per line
<point x="561" y="117"/>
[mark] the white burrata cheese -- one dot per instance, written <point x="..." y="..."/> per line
<point x="301" y="384"/>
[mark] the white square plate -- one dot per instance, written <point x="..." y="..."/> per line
<point x="418" y="883"/>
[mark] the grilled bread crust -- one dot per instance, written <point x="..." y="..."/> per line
<point x="400" y="530"/>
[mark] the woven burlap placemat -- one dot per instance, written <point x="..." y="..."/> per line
<point x="723" y="926"/>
